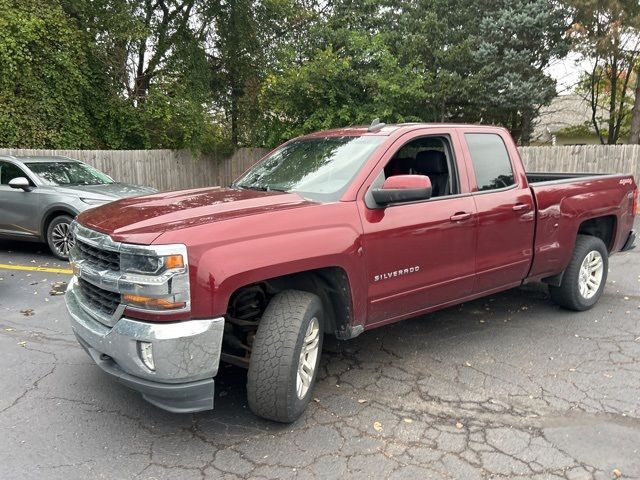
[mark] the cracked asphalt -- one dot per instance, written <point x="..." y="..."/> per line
<point x="509" y="386"/>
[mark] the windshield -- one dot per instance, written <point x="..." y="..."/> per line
<point x="317" y="168"/>
<point x="69" y="173"/>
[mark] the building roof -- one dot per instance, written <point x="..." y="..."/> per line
<point x="565" y="111"/>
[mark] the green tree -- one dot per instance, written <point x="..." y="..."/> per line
<point x="608" y="33"/>
<point x="149" y="71"/>
<point x="44" y="78"/>
<point x="516" y="41"/>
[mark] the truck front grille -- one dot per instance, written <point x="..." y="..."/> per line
<point x="102" y="300"/>
<point x="98" y="258"/>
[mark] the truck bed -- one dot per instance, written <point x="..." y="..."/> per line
<point x="543" y="177"/>
<point x="565" y="201"/>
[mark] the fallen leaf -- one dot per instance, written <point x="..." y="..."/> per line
<point x="617" y="473"/>
<point x="459" y="425"/>
<point x="377" y="426"/>
<point x="58" y="288"/>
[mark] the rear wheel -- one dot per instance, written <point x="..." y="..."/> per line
<point x="285" y="356"/>
<point x="59" y="236"/>
<point x="585" y="277"/>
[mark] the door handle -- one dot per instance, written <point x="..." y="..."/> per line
<point x="520" y="207"/>
<point x="460" y="217"/>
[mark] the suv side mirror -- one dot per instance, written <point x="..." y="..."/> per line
<point x="403" y="188"/>
<point x="20" y="182"/>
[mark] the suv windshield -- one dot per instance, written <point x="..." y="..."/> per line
<point x="317" y="168"/>
<point x="69" y="173"/>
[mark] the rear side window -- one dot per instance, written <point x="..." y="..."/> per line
<point x="490" y="160"/>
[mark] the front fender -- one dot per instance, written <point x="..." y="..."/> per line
<point x="223" y="270"/>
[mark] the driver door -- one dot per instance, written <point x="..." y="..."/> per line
<point x="420" y="255"/>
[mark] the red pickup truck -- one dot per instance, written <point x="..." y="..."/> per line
<point x="334" y="233"/>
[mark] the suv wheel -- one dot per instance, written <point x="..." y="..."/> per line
<point x="59" y="236"/>
<point x="285" y="356"/>
<point x="585" y="277"/>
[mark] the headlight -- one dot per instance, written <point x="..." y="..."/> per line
<point x="154" y="278"/>
<point x="150" y="265"/>
<point x="95" y="201"/>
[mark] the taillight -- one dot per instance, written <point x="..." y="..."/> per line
<point x="635" y="201"/>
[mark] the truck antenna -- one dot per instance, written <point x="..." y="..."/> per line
<point x="376" y="125"/>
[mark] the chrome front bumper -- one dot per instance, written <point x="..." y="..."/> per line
<point x="186" y="355"/>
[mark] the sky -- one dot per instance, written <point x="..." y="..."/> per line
<point x="567" y="72"/>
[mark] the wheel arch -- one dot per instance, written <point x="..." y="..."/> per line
<point x="50" y="214"/>
<point x="603" y="227"/>
<point x="332" y="286"/>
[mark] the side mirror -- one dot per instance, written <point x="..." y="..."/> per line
<point x="403" y="188"/>
<point x="21" y="183"/>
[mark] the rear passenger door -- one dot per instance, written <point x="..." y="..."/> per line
<point x="505" y="211"/>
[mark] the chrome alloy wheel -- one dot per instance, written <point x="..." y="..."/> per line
<point x="590" y="276"/>
<point x="308" y="358"/>
<point x="62" y="238"/>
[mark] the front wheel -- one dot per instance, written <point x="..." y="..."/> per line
<point x="585" y="277"/>
<point x="59" y="236"/>
<point x="285" y="356"/>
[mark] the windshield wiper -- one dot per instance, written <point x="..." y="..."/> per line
<point x="257" y="187"/>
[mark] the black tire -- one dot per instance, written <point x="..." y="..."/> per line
<point x="568" y="294"/>
<point x="275" y="356"/>
<point x="59" y="247"/>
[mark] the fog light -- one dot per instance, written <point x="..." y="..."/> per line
<point x="145" y="350"/>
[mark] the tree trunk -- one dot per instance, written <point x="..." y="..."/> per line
<point x="613" y="112"/>
<point x="527" y="128"/>
<point x="235" y="97"/>
<point x="634" y="138"/>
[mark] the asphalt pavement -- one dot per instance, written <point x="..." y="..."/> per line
<point x="510" y="386"/>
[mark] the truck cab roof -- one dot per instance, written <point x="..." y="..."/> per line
<point x="387" y="130"/>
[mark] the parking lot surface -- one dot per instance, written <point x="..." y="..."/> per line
<point x="509" y="386"/>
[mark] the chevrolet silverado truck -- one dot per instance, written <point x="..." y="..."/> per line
<point x="333" y="233"/>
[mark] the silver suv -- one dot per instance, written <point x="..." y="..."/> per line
<point x="40" y="196"/>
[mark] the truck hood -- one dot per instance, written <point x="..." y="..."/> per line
<point x="142" y="219"/>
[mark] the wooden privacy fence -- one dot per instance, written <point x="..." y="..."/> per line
<point x="172" y="170"/>
<point x="162" y="169"/>
<point x="583" y="158"/>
